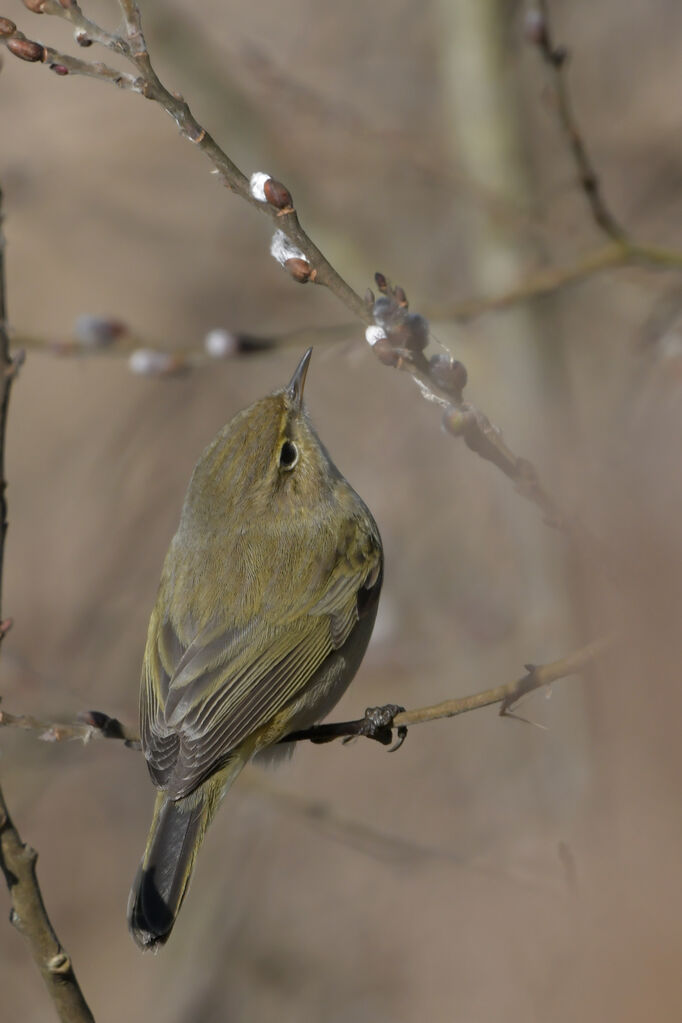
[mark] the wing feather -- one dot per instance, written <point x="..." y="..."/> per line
<point x="201" y="701"/>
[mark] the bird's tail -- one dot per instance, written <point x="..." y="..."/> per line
<point x="177" y="831"/>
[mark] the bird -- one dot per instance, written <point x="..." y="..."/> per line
<point x="266" y="604"/>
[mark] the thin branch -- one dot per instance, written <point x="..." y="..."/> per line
<point x="305" y="262"/>
<point x="555" y="59"/>
<point x="95" y="724"/>
<point x="549" y="280"/>
<point x="104" y="337"/>
<point x="391" y="847"/>
<point x="536" y="677"/>
<point x="18" y="861"/>
<point x="92" y="724"/>
<point x="298" y="253"/>
<point x="29" y="916"/>
<point x="8" y="371"/>
<point x="100" y="337"/>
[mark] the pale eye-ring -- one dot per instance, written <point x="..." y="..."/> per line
<point x="288" y="455"/>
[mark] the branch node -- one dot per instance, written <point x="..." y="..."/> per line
<point x="59" y="963"/>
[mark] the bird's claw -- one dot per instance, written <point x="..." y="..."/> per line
<point x="378" y="724"/>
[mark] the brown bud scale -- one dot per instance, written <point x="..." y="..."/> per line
<point x="26" y="49"/>
<point x="400" y="296"/>
<point x="299" y="269"/>
<point x="37" y="6"/>
<point x="7" y="27"/>
<point x="386" y="353"/>
<point x="448" y="374"/>
<point x="59" y="69"/>
<point x="278" y="195"/>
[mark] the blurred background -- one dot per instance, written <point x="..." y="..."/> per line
<point x="491" y="869"/>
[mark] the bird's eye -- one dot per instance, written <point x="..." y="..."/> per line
<point x="288" y="455"/>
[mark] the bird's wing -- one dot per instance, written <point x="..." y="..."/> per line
<point x="199" y="703"/>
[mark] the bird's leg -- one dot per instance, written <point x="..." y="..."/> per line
<point x="378" y="724"/>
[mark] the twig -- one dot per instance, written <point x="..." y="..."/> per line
<point x="555" y="57"/>
<point x="90" y="725"/>
<point x="29" y="916"/>
<point x="305" y="262"/>
<point x="146" y="82"/>
<point x="536" y="677"/>
<point x="391" y="847"/>
<point x="103" y="337"/>
<point x="100" y="337"/>
<point x="291" y="245"/>
<point x="8" y="372"/>
<point x="552" y="279"/>
<point x="17" y="861"/>
<point x="399" y="338"/>
<point x="96" y="723"/>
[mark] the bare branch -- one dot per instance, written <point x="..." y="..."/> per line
<point x="17" y="861"/>
<point x="94" y="724"/>
<point x="99" y="337"/>
<point x="549" y="280"/>
<point x="536" y="677"/>
<point x="89" y="725"/>
<point x="8" y="372"/>
<point x="539" y="31"/>
<point x="409" y="333"/>
<point x="29" y="916"/>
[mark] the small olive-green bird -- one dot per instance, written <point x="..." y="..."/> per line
<point x="266" y="604"/>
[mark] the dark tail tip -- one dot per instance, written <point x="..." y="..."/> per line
<point x="163" y="877"/>
<point x="150" y="919"/>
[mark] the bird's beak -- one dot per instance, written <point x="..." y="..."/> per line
<point x="297" y="382"/>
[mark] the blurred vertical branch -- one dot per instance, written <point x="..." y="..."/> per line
<point x="17" y="860"/>
<point x="6" y="376"/>
<point x="486" y="140"/>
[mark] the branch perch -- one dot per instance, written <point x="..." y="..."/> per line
<point x="93" y="724"/>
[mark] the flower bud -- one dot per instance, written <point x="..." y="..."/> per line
<point x="257" y="183"/>
<point x="386" y="353"/>
<point x="82" y="38"/>
<point x="448" y="374"/>
<point x="283" y="250"/>
<point x="299" y="269"/>
<point x="108" y="726"/>
<point x="7" y="27"/>
<point x="148" y="362"/>
<point x="26" y="49"/>
<point x="220" y="343"/>
<point x="386" y="312"/>
<point x="97" y="331"/>
<point x="455" y="421"/>
<point x="375" y="333"/>
<point x="416" y="328"/>
<point x="277" y="194"/>
<point x="380" y="281"/>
